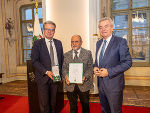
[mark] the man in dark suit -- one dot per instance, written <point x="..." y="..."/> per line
<point x="78" y="55"/>
<point x="112" y="60"/>
<point x="46" y="53"/>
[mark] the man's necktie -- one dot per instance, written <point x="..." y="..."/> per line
<point x="76" y="55"/>
<point x="51" y="54"/>
<point x="102" y="51"/>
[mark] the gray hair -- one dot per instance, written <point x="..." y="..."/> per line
<point x="106" y="18"/>
<point x="49" y="22"/>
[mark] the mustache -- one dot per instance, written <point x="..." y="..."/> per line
<point x="74" y="46"/>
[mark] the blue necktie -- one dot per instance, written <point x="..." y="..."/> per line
<point x="102" y="51"/>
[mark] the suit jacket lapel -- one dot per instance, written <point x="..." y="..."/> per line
<point x="45" y="50"/>
<point x="71" y="56"/>
<point x="108" y="50"/>
<point x="99" y="43"/>
<point x="81" y="54"/>
<point x="56" y="46"/>
<point x="45" y="47"/>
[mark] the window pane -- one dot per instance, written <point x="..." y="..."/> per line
<point x="120" y="21"/>
<point x="140" y="45"/>
<point x="41" y="25"/>
<point x="121" y="33"/>
<point x="27" y="29"/>
<point x="26" y="13"/>
<point x="27" y="22"/>
<point x="120" y="4"/>
<point x="39" y="12"/>
<point x="27" y="42"/>
<point x="141" y="18"/>
<point x="27" y="55"/>
<point x="140" y="3"/>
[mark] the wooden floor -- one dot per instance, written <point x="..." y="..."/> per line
<point x="133" y="95"/>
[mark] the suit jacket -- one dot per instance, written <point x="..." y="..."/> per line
<point x="41" y="59"/>
<point x="116" y="60"/>
<point x="85" y="57"/>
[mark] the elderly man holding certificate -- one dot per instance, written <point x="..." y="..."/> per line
<point x="78" y="75"/>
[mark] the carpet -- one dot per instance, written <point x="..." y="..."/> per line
<point x="95" y="108"/>
<point x="19" y="104"/>
<point x="14" y="104"/>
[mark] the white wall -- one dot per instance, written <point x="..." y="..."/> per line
<point x="71" y="17"/>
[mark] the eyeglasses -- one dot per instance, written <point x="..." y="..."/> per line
<point x="104" y="27"/>
<point x="49" y="29"/>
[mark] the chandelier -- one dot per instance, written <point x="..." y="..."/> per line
<point x="138" y="19"/>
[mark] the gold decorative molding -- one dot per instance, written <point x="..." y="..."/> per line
<point x="137" y="77"/>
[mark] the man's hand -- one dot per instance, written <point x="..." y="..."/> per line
<point x="83" y="79"/>
<point x="103" y="72"/>
<point x="67" y="80"/>
<point x="96" y="71"/>
<point x="100" y="72"/>
<point x="50" y="74"/>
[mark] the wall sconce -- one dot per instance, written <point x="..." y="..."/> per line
<point x="9" y="26"/>
<point x="97" y="36"/>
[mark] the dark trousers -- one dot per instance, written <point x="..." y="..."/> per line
<point x="73" y="100"/>
<point x="47" y="97"/>
<point x="111" y="101"/>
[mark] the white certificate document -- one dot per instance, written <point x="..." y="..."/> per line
<point x="75" y="72"/>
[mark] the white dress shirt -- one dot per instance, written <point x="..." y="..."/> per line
<point x="54" y="50"/>
<point x="98" y="54"/>
<point x="77" y="53"/>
